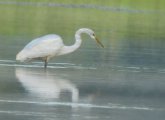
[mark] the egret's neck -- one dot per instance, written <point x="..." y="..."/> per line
<point x="76" y="45"/>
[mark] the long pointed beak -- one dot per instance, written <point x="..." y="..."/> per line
<point x="99" y="43"/>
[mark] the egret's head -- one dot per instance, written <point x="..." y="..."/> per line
<point x="93" y="36"/>
<point x="90" y="33"/>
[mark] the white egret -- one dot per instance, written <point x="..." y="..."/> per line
<point x="48" y="46"/>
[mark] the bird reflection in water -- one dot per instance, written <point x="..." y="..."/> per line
<point x="44" y="84"/>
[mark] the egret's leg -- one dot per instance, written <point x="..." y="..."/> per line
<point x="45" y="63"/>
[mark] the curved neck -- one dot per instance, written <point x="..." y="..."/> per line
<point x="76" y="45"/>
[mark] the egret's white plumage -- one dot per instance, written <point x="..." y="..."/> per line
<point x="48" y="46"/>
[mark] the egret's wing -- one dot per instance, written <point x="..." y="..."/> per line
<point x="44" y="46"/>
<point x="39" y="40"/>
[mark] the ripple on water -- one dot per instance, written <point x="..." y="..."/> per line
<point x="40" y="64"/>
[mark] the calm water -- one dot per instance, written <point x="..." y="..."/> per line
<point x="69" y="91"/>
<point x="123" y="81"/>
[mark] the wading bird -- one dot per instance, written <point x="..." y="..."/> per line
<point x="48" y="46"/>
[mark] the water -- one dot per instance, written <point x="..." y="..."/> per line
<point x="125" y="80"/>
<point x="68" y="91"/>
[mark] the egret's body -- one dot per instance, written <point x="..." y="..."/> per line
<point x="48" y="46"/>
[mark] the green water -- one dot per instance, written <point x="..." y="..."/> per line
<point x="125" y="80"/>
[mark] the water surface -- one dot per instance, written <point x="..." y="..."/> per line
<point x="67" y="92"/>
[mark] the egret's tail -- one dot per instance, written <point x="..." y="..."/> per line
<point x="21" y="56"/>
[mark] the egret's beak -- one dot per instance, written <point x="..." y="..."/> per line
<point x="98" y="42"/>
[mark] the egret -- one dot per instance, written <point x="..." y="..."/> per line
<point x="48" y="46"/>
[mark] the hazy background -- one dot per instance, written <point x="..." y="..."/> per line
<point x="126" y="27"/>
